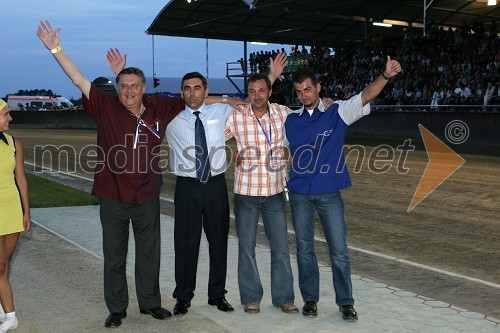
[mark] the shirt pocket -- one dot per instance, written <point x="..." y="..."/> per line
<point x="215" y="130"/>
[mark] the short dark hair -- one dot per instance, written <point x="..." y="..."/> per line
<point x="132" y="71"/>
<point x="194" y="75"/>
<point x="260" y="76"/>
<point x="303" y="74"/>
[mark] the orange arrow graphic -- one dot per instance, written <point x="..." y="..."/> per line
<point x="443" y="162"/>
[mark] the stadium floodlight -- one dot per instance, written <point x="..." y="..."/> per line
<point x="492" y="2"/>
<point x="381" y="24"/>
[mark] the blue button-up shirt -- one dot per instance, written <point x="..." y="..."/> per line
<point x="316" y="143"/>
<point x="181" y="140"/>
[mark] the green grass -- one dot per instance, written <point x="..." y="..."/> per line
<point x="47" y="193"/>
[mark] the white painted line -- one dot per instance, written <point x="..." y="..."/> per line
<point x="422" y="266"/>
<point x="61" y="172"/>
<point x="68" y="240"/>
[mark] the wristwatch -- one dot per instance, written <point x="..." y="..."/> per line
<point x="224" y="98"/>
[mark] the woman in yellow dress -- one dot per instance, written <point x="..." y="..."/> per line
<point x="14" y="211"/>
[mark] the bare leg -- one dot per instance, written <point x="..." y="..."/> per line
<point x="8" y="245"/>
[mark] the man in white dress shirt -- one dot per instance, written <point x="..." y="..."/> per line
<point x="199" y="203"/>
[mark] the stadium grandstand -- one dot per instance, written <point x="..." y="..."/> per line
<point x="448" y="48"/>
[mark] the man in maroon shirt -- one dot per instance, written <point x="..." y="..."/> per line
<point x="127" y="178"/>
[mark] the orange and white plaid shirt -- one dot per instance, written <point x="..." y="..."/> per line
<point x="261" y="169"/>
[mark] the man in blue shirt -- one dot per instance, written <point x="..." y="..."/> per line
<point x="317" y="174"/>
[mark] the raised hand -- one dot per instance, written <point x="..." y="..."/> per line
<point x="47" y="35"/>
<point x="116" y="61"/>
<point x="50" y="39"/>
<point x="277" y="65"/>
<point x="392" y="67"/>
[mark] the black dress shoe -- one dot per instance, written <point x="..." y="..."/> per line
<point x="310" y="309"/>
<point x="158" y="312"/>
<point x="115" y="319"/>
<point x="348" y="313"/>
<point x="222" y="304"/>
<point x="181" y="307"/>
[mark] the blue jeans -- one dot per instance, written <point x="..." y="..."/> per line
<point x="330" y="209"/>
<point x="247" y="210"/>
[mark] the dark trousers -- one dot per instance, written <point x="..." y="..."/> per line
<point x="200" y="206"/>
<point x="115" y="219"/>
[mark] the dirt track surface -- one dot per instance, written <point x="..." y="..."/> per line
<point x="456" y="228"/>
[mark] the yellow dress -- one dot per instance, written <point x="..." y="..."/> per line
<point x="11" y="212"/>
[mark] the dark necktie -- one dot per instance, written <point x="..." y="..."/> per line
<point x="202" y="162"/>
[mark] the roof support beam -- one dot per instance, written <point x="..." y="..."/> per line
<point x="427" y="4"/>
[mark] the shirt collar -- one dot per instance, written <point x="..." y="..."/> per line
<point x="148" y="102"/>
<point x="320" y="107"/>
<point x="249" y="111"/>
<point x="4" y="139"/>
<point x="190" y="111"/>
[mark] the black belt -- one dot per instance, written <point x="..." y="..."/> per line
<point x="192" y="179"/>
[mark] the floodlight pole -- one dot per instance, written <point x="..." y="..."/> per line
<point x="426" y="6"/>
<point x="245" y="67"/>
<point x="206" y="47"/>
<point x="153" y="43"/>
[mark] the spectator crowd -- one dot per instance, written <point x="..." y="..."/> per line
<point x="445" y="68"/>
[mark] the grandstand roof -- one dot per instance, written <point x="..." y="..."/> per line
<point x="308" y="22"/>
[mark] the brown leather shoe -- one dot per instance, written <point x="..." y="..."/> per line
<point x="252" y="307"/>
<point x="289" y="308"/>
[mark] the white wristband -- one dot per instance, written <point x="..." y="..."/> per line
<point x="55" y="50"/>
<point x="224" y="98"/>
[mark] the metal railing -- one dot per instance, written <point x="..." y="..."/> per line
<point x="436" y="108"/>
<point x="236" y="70"/>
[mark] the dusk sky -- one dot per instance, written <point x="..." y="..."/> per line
<point x="88" y="29"/>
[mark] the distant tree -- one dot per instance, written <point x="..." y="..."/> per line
<point x="76" y="101"/>
<point x="36" y="92"/>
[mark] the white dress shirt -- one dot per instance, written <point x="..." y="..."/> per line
<point x="181" y="140"/>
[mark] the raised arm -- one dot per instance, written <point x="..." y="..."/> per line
<point x="392" y="68"/>
<point x="51" y="40"/>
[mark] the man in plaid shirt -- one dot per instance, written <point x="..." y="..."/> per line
<point x="259" y="181"/>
